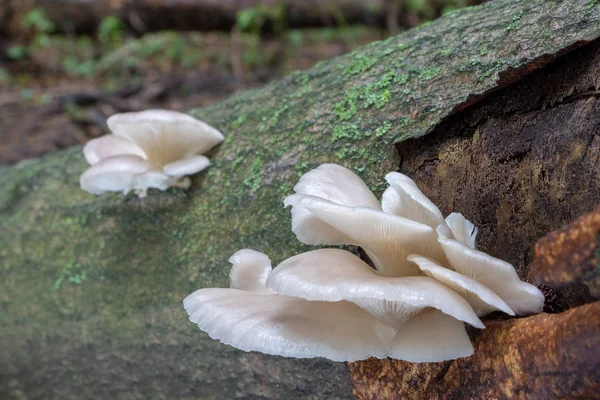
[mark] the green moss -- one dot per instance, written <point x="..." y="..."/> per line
<point x="429" y="73"/>
<point x="383" y="129"/>
<point x="254" y="178"/>
<point x="239" y="121"/>
<point x="360" y="65"/>
<point x="347" y="107"/>
<point x="516" y="21"/>
<point x="345" y="131"/>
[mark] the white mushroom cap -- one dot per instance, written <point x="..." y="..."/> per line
<point x="165" y="136"/>
<point x="113" y="174"/>
<point x="404" y="199"/>
<point x="187" y="166"/>
<point x="253" y="318"/>
<point x="461" y="229"/>
<point x="387" y="239"/>
<point x="109" y="146"/>
<point x="431" y="336"/>
<point x="496" y="274"/>
<point x="481" y="298"/>
<point x="336" y="275"/>
<point x="249" y="271"/>
<point x="333" y="206"/>
<point x="338" y="185"/>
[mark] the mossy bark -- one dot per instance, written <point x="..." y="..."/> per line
<point x="91" y="287"/>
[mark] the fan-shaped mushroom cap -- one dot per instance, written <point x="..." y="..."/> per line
<point x="187" y="166"/>
<point x="113" y="174"/>
<point x="335" y="275"/>
<point x="165" y="136"/>
<point x="481" y="298"/>
<point x="431" y="336"/>
<point x="110" y="146"/>
<point x="496" y="274"/>
<point x="404" y="199"/>
<point x="387" y="239"/>
<point x="254" y="318"/>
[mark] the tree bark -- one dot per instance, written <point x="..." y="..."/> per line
<point x="91" y="287"/>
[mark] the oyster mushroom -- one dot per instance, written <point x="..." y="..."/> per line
<point x="148" y="149"/>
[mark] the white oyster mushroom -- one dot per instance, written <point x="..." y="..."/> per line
<point x="429" y="279"/>
<point x="332" y="206"/>
<point x="252" y="317"/>
<point x="167" y="145"/>
<point x="329" y="303"/>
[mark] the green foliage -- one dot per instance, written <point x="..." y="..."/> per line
<point x="37" y="21"/>
<point x="253" y="19"/>
<point x="17" y="53"/>
<point x="110" y="30"/>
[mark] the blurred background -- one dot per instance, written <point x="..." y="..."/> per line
<point x="65" y="65"/>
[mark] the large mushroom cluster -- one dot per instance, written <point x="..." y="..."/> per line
<point x="429" y="279"/>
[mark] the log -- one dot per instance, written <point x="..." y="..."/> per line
<point x="83" y="16"/>
<point x="571" y="255"/>
<point x="547" y="356"/>
<point x="91" y="287"/>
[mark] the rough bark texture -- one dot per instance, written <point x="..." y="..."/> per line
<point x="546" y="356"/>
<point x="571" y="254"/>
<point x="91" y="287"/>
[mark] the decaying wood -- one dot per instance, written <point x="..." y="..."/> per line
<point x="547" y="356"/>
<point x="571" y="255"/>
<point x="91" y="287"/>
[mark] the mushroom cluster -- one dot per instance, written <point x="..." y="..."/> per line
<point x="429" y="279"/>
<point x="148" y="149"/>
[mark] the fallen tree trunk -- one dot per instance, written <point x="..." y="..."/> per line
<point x="83" y="16"/>
<point x="153" y="15"/>
<point x="92" y="286"/>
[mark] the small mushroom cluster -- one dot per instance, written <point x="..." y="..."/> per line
<point x="429" y="279"/>
<point x="148" y="149"/>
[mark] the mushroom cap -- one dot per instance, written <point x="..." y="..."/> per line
<point x="431" y="336"/>
<point x="113" y="174"/>
<point x="109" y="146"/>
<point x="404" y="199"/>
<point x="187" y="166"/>
<point x="336" y="275"/>
<point x="463" y="230"/>
<point x="249" y="271"/>
<point x="333" y="206"/>
<point x="480" y="297"/>
<point x="388" y="239"/>
<point x="165" y="136"/>
<point x="254" y="318"/>
<point x="337" y="184"/>
<point x="500" y="276"/>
